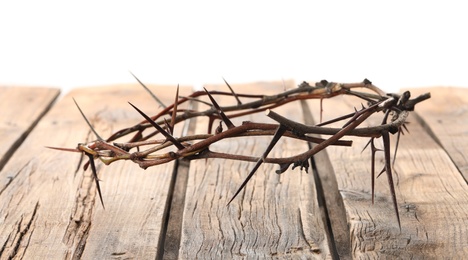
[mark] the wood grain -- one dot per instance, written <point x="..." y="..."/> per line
<point x="20" y="110"/>
<point x="445" y="116"/>
<point x="275" y="216"/>
<point x="49" y="209"/>
<point x="330" y="200"/>
<point x="432" y="196"/>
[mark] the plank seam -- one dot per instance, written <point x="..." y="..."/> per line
<point x="329" y="226"/>
<point x="171" y="231"/>
<point x="11" y="151"/>
<point x="167" y="213"/>
<point x="431" y="133"/>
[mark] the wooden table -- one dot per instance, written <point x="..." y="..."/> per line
<point x="49" y="208"/>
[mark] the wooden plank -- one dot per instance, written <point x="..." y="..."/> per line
<point x="175" y="218"/>
<point x="445" y="116"/>
<point x="21" y="108"/>
<point x="276" y="216"/>
<point x="329" y="196"/>
<point x="432" y="196"/>
<point x="49" y="209"/>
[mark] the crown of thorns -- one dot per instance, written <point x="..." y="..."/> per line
<point x="147" y="151"/>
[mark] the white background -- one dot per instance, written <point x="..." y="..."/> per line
<point x="396" y="44"/>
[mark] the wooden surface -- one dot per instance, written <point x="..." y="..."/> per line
<point x="275" y="216"/>
<point x="21" y="109"/>
<point x="446" y="120"/>
<point x="49" y="208"/>
<point x="432" y="194"/>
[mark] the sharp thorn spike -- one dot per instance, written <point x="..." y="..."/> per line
<point x="93" y="169"/>
<point x="406" y="128"/>
<point x="168" y="126"/>
<point x="396" y="148"/>
<point x="149" y="91"/>
<point x="64" y="149"/>
<point x="336" y="119"/>
<point x="87" y="121"/>
<point x="223" y="116"/>
<point x="219" y="129"/>
<point x="159" y="128"/>
<point x="278" y="134"/>
<point x="174" y="110"/>
<point x="252" y="172"/>
<point x="367" y="145"/>
<point x="388" y="169"/>
<point x="380" y="173"/>
<point x="234" y="93"/>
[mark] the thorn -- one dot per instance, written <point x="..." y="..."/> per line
<point x="174" y="110"/>
<point x="365" y="146"/>
<point x="282" y="168"/>
<point x="87" y="122"/>
<point x="255" y="168"/>
<point x="219" y="129"/>
<point x="85" y="166"/>
<point x="278" y="134"/>
<point x="168" y="126"/>
<point x="234" y="93"/>
<point x="336" y="119"/>
<point x="359" y="95"/>
<point x="396" y="148"/>
<point x="373" y="152"/>
<point x="380" y="173"/>
<point x="354" y="116"/>
<point x="93" y="169"/>
<point x="64" y="149"/>
<point x="223" y="116"/>
<point x="149" y="91"/>
<point x="388" y="169"/>
<point x="159" y="128"/>
<point x="406" y="128"/>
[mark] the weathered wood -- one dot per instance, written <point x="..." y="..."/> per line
<point x="48" y="207"/>
<point x="49" y="210"/>
<point x="176" y="213"/>
<point x="175" y="218"/>
<point x="330" y="199"/>
<point x="20" y="110"/>
<point x="275" y="216"/>
<point x="432" y="196"/>
<point x="445" y="116"/>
